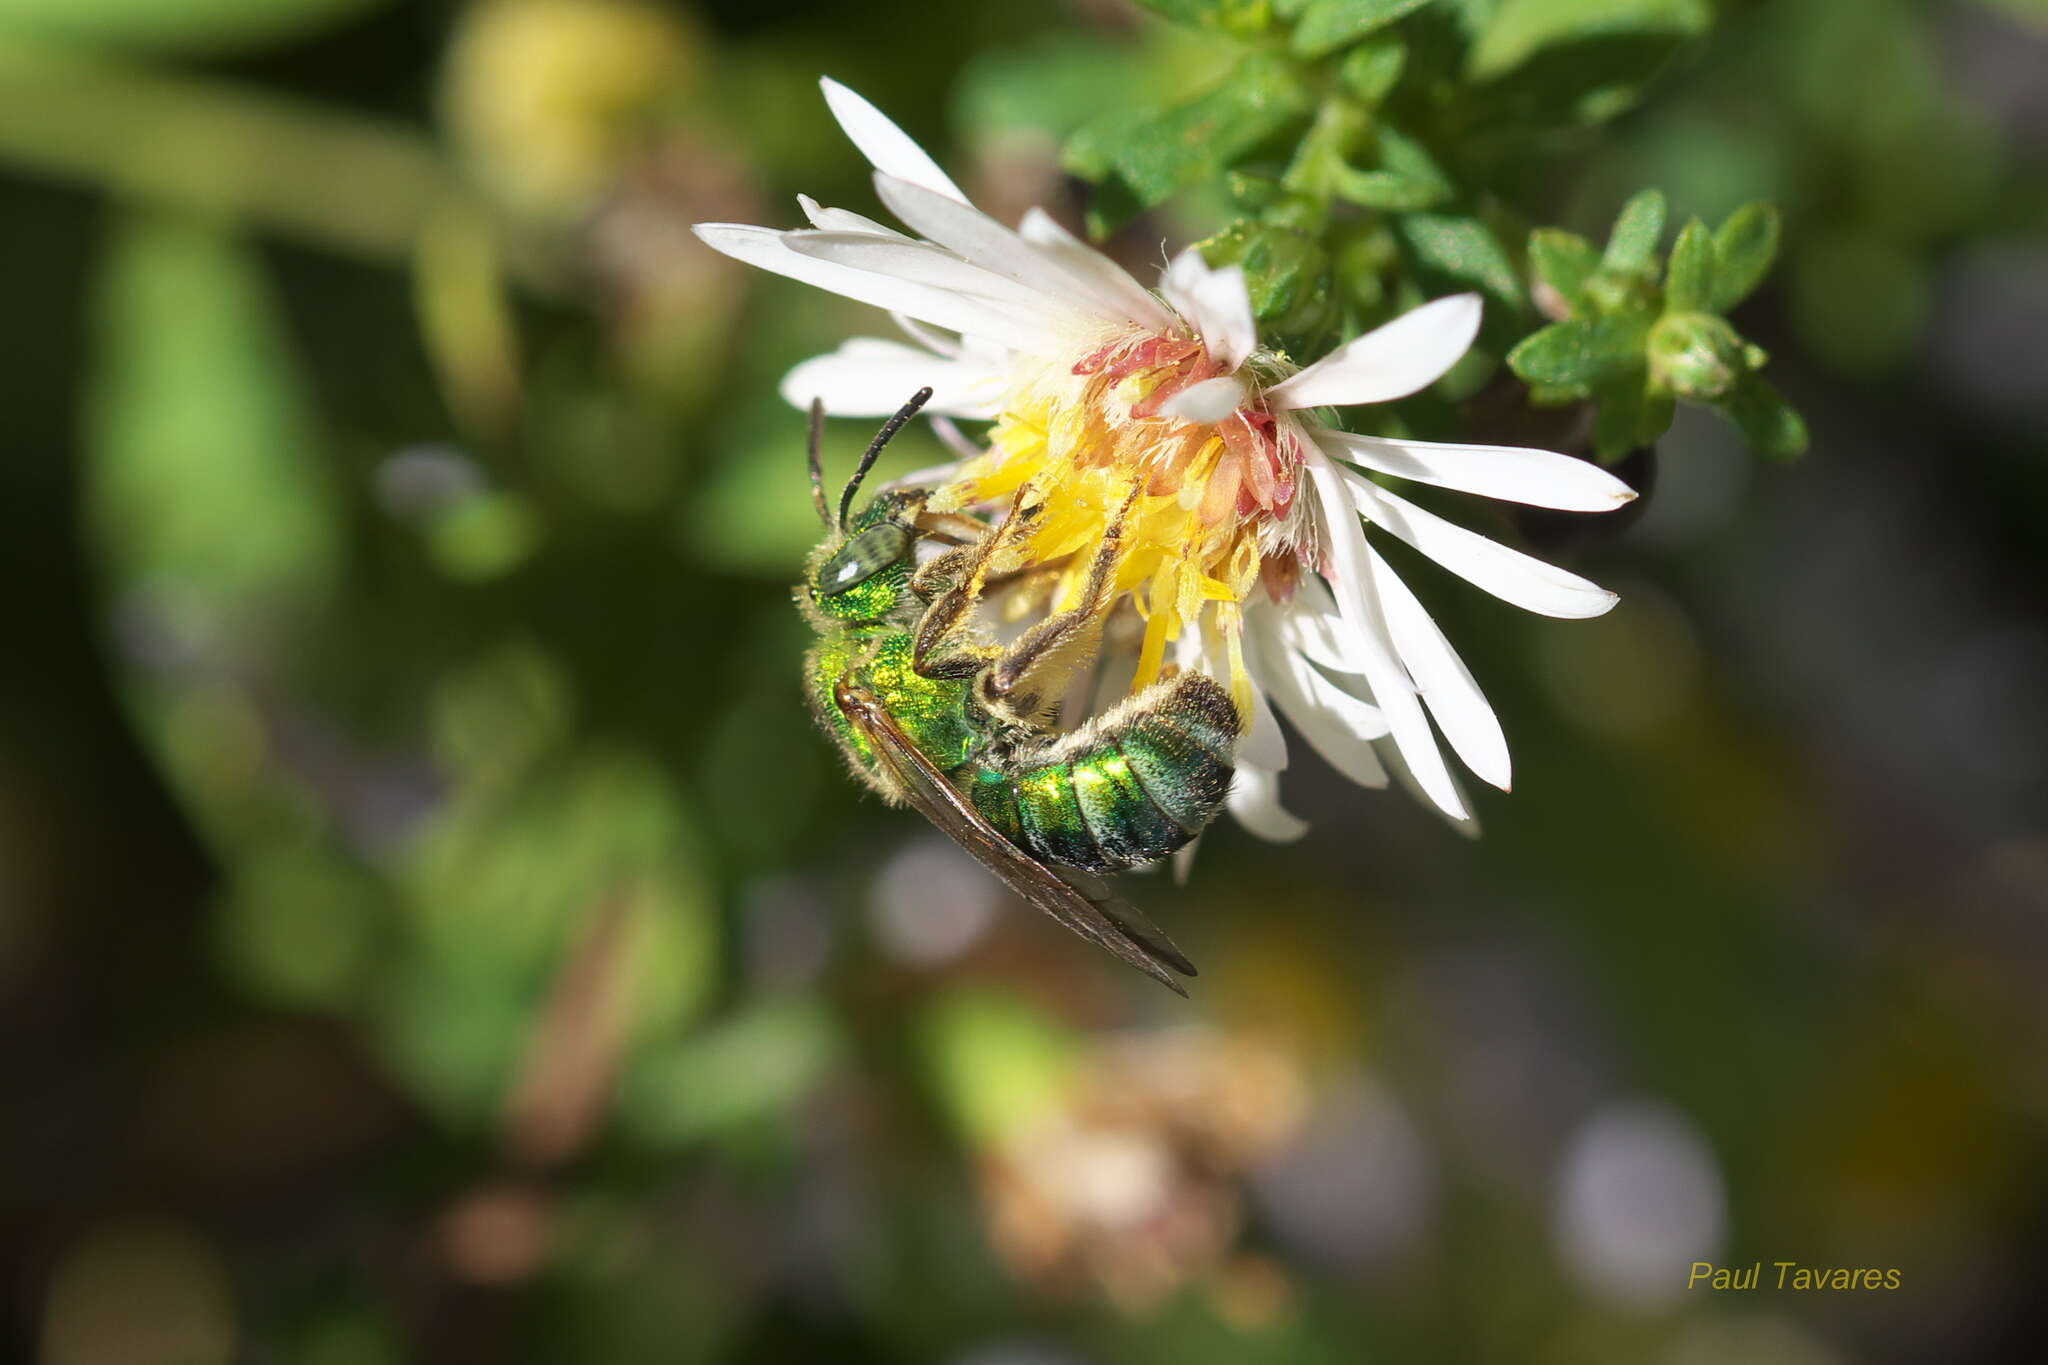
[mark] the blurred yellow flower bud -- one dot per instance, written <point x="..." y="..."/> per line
<point x="547" y="100"/>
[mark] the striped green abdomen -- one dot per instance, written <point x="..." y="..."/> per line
<point x="1128" y="794"/>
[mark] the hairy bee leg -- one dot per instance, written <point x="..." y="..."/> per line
<point x="1049" y="636"/>
<point x="965" y="572"/>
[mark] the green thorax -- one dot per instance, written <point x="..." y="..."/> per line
<point x="932" y="711"/>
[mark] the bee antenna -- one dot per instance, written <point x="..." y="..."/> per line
<point x="867" y="461"/>
<point x="816" y="452"/>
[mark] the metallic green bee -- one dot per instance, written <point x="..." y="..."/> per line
<point x="931" y="715"/>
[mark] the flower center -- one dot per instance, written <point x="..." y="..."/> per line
<point x="1213" y="497"/>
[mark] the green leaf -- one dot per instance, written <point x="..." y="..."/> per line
<point x="1631" y="414"/>
<point x="1564" y="261"/>
<point x="1242" y="18"/>
<point x="1373" y="68"/>
<point x="1581" y="354"/>
<point x="1744" y="248"/>
<point x="1386" y="191"/>
<point x="206" y="475"/>
<point x="1770" y="424"/>
<point x="1055" y="83"/>
<point x="1287" y="275"/>
<point x="1110" y="207"/>
<point x="1632" y="246"/>
<point x="1408" y="178"/>
<point x="1462" y="250"/>
<point x="189" y="26"/>
<point x="1199" y="139"/>
<point x="1522" y="28"/>
<point x="748" y="1068"/>
<point x="1327" y="25"/>
<point x="1405" y="156"/>
<point x="996" y="1062"/>
<point x="508" y="884"/>
<point x="1086" y="152"/>
<point x="1689" y="277"/>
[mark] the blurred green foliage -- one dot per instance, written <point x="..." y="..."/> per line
<point x="1377" y="163"/>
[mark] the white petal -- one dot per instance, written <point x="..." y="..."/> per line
<point x="1336" y="724"/>
<point x="931" y="476"/>
<point x="955" y="439"/>
<point x="927" y="263"/>
<point x="1538" y="478"/>
<point x="1510" y="575"/>
<point x="1265" y="745"/>
<point x="1139" y="304"/>
<point x="983" y="241"/>
<point x="1358" y="600"/>
<point x="1178" y="282"/>
<point x="1454" y="699"/>
<point x="1216" y="302"/>
<point x="887" y="147"/>
<point x="1212" y="400"/>
<point x="1404" y="356"/>
<point x="869" y="377"/>
<point x="1312" y="626"/>
<point x="1184" y="860"/>
<point x="931" y="338"/>
<point x="841" y="220"/>
<point x="1255" y="801"/>
<point x="967" y="314"/>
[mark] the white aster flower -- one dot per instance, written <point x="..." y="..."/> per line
<point x="1245" y="551"/>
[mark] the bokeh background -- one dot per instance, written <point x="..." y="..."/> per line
<point x="430" y="931"/>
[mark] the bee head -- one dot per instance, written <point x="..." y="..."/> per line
<point x="860" y="576"/>
<point x="863" y="568"/>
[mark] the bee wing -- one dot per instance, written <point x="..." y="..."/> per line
<point x="1092" y="913"/>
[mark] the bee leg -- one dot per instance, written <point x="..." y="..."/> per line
<point x="952" y="583"/>
<point x="956" y="527"/>
<point x="1069" y="629"/>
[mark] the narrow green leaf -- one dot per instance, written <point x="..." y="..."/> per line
<point x="1744" y="248"/>
<point x="1463" y="250"/>
<point x="1386" y="191"/>
<point x="1408" y="179"/>
<point x="1404" y="155"/>
<point x="1770" y="424"/>
<point x="1372" y="69"/>
<point x="192" y="26"/>
<point x="1522" y="28"/>
<point x="1689" y="277"/>
<point x="1201" y="138"/>
<point x="1242" y="18"/>
<point x="1632" y="246"/>
<point x="1328" y="25"/>
<point x="1564" y="261"/>
<point x="1582" y="353"/>
<point x="206" y="473"/>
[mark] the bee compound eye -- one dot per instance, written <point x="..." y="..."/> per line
<point x="861" y="558"/>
